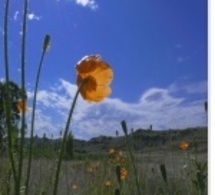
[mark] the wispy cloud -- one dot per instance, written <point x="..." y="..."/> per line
<point x="156" y="106"/>
<point x="16" y="14"/>
<point x="32" y="16"/>
<point x="190" y="88"/>
<point x="87" y="3"/>
<point x="181" y="59"/>
<point x="198" y="87"/>
<point x="2" y="79"/>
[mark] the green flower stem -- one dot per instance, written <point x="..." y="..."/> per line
<point x="7" y="101"/>
<point x="124" y="127"/>
<point x="118" y="170"/>
<point x="23" y="54"/>
<point x="45" y="45"/>
<point x="64" y="137"/>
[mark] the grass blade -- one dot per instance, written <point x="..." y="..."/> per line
<point x="45" y="45"/>
<point x="163" y="172"/>
<point x="7" y="103"/>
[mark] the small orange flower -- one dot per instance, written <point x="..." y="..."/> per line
<point x="111" y="150"/>
<point x="97" y="74"/>
<point x="123" y="173"/>
<point x="183" y="145"/>
<point x="107" y="183"/>
<point x="20" y="106"/>
<point x="119" y="153"/>
<point x="89" y="169"/>
<point x="74" y="187"/>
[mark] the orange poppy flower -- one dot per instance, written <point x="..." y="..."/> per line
<point x="183" y="145"/>
<point x="89" y="169"/>
<point x="107" y="183"/>
<point x="97" y="74"/>
<point x="20" y="106"/>
<point x="111" y="150"/>
<point x="74" y="187"/>
<point x="123" y="173"/>
<point x="119" y="153"/>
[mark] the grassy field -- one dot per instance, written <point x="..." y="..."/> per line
<point x="160" y="170"/>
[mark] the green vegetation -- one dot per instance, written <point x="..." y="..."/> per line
<point x="16" y="93"/>
<point x="161" y="169"/>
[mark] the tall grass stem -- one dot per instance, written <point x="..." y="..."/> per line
<point x="7" y="93"/>
<point x="23" y="56"/>
<point x="45" y="45"/>
<point x="65" y="136"/>
<point x="125" y="130"/>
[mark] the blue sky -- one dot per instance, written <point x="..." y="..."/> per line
<point x="158" y="52"/>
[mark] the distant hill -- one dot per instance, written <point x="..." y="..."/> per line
<point x="140" y="139"/>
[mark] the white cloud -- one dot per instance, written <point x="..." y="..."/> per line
<point x="156" y="106"/>
<point x="198" y="87"/>
<point x="87" y="3"/>
<point x="43" y="123"/>
<point x="190" y="88"/>
<point x="15" y="17"/>
<point x="32" y="16"/>
<point x="2" y="79"/>
<point x="156" y="97"/>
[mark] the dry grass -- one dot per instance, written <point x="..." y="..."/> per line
<point x="88" y="177"/>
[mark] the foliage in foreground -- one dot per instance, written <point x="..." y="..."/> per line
<point x="159" y="172"/>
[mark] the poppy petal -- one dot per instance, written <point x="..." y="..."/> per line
<point x="97" y="95"/>
<point x="97" y="74"/>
